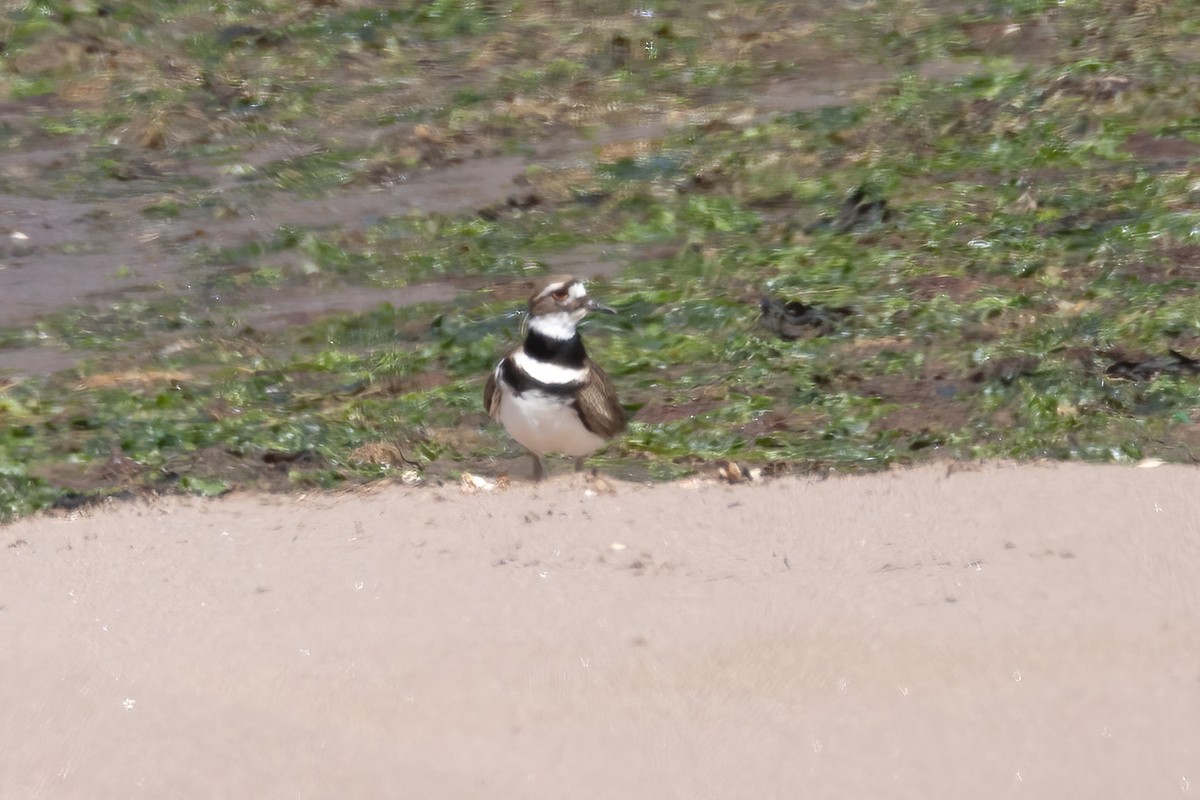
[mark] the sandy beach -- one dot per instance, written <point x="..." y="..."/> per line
<point x="985" y="631"/>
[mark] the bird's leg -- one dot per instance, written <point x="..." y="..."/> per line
<point x="537" y="468"/>
<point x="579" y="463"/>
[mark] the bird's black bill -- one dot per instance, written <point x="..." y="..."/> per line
<point x="592" y="305"/>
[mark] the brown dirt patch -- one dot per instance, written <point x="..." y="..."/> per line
<point x="1148" y="147"/>
<point x="658" y="412"/>
<point x="933" y="405"/>
<point x="955" y="287"/>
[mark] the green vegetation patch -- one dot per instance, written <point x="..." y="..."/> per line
<point x="986" y="245"/>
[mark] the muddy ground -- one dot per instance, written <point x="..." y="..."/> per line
<point x="97" y="246"/>
<point x="274" y="246"/>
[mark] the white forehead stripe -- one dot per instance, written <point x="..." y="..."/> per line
<point x="577" y="290"/>
<point x="544" y="372"/>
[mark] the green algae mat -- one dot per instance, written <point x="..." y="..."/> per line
<point x="279" y="245"/>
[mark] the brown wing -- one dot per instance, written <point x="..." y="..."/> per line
<point x="491" y="397"/>
<point x="598" y="404"/>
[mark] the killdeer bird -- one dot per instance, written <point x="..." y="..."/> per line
<point x="546" y="392"/>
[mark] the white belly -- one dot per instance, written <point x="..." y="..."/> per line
<point x="546" y="424"/>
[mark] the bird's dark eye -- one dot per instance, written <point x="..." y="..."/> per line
<point x="561" y="294"/>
